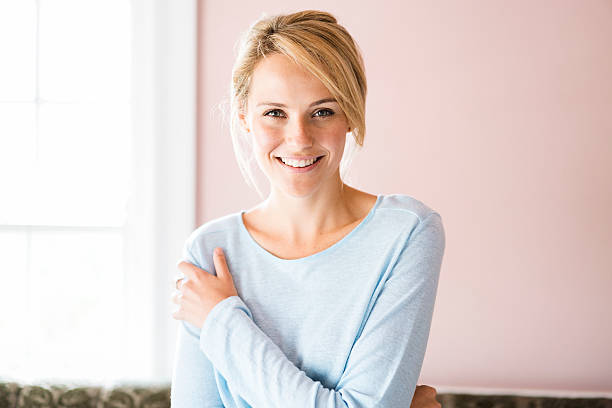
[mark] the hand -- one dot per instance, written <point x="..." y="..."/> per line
<point x="425" y="397"/>
<point x="197" y="295"/>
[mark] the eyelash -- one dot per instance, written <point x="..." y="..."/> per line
<point x="331" y="112"/>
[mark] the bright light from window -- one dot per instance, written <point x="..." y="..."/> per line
<point x="65" y="124"/>
<point x="18" y="50"/>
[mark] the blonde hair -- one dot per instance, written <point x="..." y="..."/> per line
<point x="314" y="40"/>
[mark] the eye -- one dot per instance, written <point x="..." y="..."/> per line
<point x="275" y="113"/>
<point x="324" y="112"/>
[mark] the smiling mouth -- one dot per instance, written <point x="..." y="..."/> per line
<point x="300" y="167"/>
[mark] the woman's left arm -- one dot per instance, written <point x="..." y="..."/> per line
<point x="385" y="361"/>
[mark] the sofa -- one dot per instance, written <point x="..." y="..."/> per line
<point x="15" y="395"/>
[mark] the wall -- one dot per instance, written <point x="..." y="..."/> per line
<point x="498" y="115"/>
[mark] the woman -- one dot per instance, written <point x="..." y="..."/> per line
<point x="331" y="290"/>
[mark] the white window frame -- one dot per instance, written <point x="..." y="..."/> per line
<point x="161" y="210"/>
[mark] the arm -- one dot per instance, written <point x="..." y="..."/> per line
<point x="384" y="364"/>
<point x="193" y="380"/>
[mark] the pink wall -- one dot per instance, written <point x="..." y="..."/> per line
<point x="498" y="115"/>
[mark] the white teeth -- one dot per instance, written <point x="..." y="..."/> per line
<point x="298" y="163"/>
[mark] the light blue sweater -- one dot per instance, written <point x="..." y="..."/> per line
<point x="345" y="327"/>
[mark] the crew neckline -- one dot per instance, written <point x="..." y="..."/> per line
<point x="327" y="250"/>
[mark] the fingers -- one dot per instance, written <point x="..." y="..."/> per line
<point x="220" y="263"/>
<point x="176" y="297"/>
<point x="188" y="269"/>
<point x="425" y="397"/>
<point x="427" y="389"/>
<point x="193" y="272"/>
<point x="178" y="314"/>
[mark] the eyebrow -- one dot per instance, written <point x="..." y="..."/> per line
<point x="320" y="101"/>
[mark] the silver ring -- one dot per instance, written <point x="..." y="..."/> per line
<point x="176" y="282"/>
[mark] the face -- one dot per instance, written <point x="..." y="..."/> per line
<point x="292" y="117"/>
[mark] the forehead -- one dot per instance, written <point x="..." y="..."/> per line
<point x="277" y="78"/>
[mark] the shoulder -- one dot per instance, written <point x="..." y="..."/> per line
<point x="224" y="224"/>
<point x="415" y="222"/>
<point x="213" y="233"/>
<point x="421" y="239"/>
<point x="405" y="206"/>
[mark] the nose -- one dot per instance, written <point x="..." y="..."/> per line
<point x="298" y="134"/>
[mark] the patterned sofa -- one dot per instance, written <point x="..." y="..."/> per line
<point x="14" y="395"/>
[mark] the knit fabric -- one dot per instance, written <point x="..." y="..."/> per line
<point x="345" y="327"/>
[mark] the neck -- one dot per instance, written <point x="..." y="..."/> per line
<point x="302" y="220"/>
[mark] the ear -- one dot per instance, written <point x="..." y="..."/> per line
<point x="243" y="121"/>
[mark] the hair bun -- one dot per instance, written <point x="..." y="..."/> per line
<point x="310" y="15"/>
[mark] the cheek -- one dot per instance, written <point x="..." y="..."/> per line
<point x="334" y="138"/>
<point x="265" y="137"/>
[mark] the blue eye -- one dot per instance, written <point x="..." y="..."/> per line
<point x="277" y="113"/>
<point x="324" y="112"/>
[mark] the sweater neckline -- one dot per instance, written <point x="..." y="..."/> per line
<point x="316" y="255"/>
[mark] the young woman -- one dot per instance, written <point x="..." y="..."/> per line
<point x="322" y="295"/>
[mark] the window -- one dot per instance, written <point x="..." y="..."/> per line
<point x="89" y="231"/>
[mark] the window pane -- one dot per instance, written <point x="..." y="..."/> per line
<point x="76" y="291"/>
<point x="17" y="160"/>
<point x="18" y="50"/>
<point x="13" y="303"/>
<point x="85" y="50"/>
<point x="84" y="152"/>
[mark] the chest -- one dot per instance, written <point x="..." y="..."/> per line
<point x="284" y="249"/>
<point x="313" y="312"/>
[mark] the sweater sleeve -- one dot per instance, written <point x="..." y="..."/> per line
<point x="193" y="380"/>
<point x="384" y="364"/>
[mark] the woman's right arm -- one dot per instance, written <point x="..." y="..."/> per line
<point x="193" y="379"/>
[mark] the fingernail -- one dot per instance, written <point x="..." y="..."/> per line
<point x="218" y="251"/>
